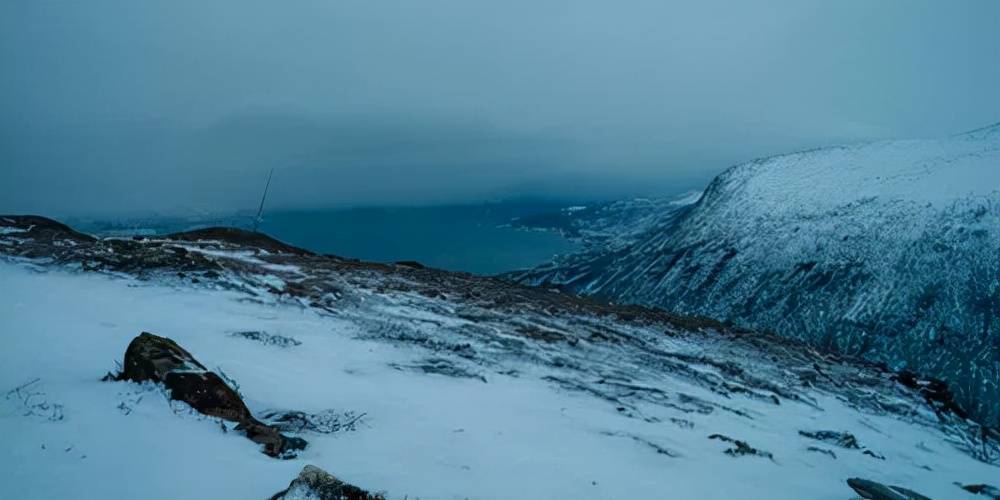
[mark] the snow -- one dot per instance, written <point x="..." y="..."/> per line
<point x="246" y="256"/>
<point x="879" y="249"/>
<point x="5" y="230"/>
<point x="424" y="435"/>
<point x="688" y="198"/>
<point x="934" y="171"/>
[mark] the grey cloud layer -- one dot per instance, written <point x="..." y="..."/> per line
<point x="119" y="106"/>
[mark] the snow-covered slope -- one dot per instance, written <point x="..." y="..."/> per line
<point x="457" y="386"/>
<point x="886" y="249"/>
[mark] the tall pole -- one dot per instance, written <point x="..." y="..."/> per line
<point x="260" y="210"/>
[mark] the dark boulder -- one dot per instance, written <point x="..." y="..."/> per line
<point x="871" y="490"/>
<point x="160" y="360"/>
<point x="985" y="490"/>
<point x="935" y="391"/>
<point x="314" y="483"/>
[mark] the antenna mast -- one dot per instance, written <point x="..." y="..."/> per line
<point x="260" y="210"/>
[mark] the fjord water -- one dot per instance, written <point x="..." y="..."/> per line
<point x="472" y="238"/>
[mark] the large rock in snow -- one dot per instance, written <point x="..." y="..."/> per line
<point x="161" y="360"/>
<point x="985" y="490"/>
<point x="872" y="490"/>
<point x="314" y="483"/>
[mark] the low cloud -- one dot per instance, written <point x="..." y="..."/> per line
<point x="113" y="106"/>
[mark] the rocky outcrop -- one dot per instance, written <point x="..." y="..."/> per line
<point x="841" y="439"/>
<point x="740" y="448"/>
<point x="872" y="490"/>
<point x="937" y="393"/>
<point x="35" y="226"/>
<point x="159" y="359"/>
<point x="314" y="483"/>
<point x="986" y="490"/>
<point x="238" y="236"/>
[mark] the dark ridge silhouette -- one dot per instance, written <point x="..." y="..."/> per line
<point x="40" y="226"/>
<point x="238" y="237"/>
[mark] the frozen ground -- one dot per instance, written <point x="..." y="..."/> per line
<point x="467" y="387"/>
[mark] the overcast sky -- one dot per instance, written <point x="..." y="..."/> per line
<point x="125" y="106"/>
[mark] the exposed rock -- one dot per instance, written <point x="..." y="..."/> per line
<point x="267" y="338"/>
<point x="239" y="237"/>
<point x="314" y="483"/>
<point x="935" y="391"/>
<point x="841" y="439"/>
<point x="324" y="422"/>
<point x="871" y="490"/>
<point x="985" y="490"/>
<point x="659" y="449"/>
<point x="817" y="449"/>
<point x="741" y="448"/>
<point x="161" y="360"/>
<point x="440" y="366"/>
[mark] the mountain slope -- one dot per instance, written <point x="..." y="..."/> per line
<point x="889" y="250"/>
<point x="458" y="386"/>
<point x="609" y="226"/>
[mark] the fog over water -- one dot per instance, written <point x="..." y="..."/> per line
<point x="117" y="107"/>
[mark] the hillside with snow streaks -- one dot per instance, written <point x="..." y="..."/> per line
<point x="447" y="385"/>
<point x="609" y="226"/>
<point x="890" y="250"/>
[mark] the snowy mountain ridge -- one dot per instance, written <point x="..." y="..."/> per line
<point x="889" y="250"/>
<point x="455" y="386"/>
<point x="933" y="171"/>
